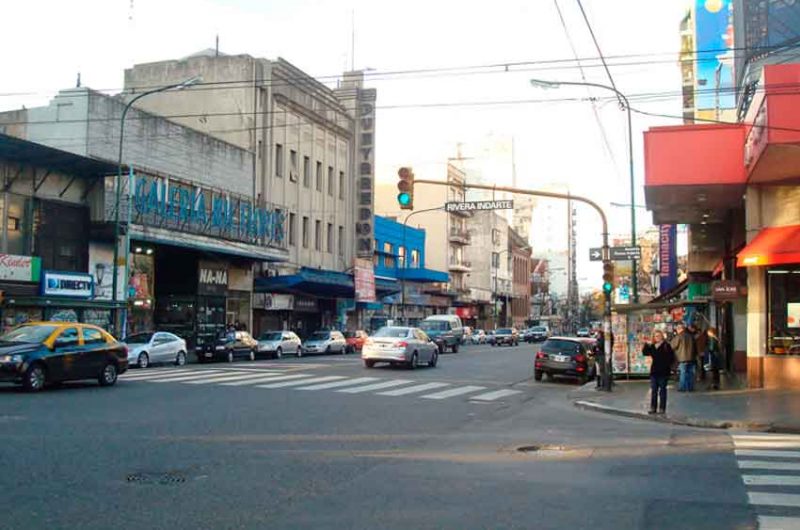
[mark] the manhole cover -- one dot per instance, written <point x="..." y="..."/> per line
<point x="528" y="448"/>
<point x="540" y="448"/>
<point x="156" y="478"/>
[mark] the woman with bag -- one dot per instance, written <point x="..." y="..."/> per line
<point x="712" y="357"/>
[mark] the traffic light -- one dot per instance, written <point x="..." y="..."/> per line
<point x="406" y="188"/>
<point x="608" y="277"/>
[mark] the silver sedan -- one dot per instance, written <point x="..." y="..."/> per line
<point x="145" y="349"/>
<point x="400" y="345"/>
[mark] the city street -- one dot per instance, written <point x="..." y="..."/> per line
<point x="322" y="442"/>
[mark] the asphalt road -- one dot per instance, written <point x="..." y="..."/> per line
<point x="322" y="442"/>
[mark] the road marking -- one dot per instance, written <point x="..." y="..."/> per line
<point x="771" y="480"/>
<point x="226" y="377"/>
<point x="491" y="396"/>
<point x="155" y="373"/>
<point x="778" y="523"/>
<point x="774" y="499"/>
<point x="159" y="378"/>
<point x="454" y="392"/>
<point x="766" y="444"/>
<point x="303" y="382"/>
<point x="763" y="464"/>
<point x="375" y="386"/>
<point x="263" y="379"/>
<point x="412" y="389"/>
<point x="197" y="375"/>
<point x="337" y="384"/>
<point x="767" y="436"/>
<point x="767" y="453"/>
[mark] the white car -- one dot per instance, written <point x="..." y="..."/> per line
<point x="400" y="345"/>
<point x="276" y="343"/>
<point x="478" y="337"/>
<point x="159" y="347"/>
<point x="324" y="342"/>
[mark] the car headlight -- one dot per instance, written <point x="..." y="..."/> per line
<point x="11" y="358"/>
<point x="220" y="348"/>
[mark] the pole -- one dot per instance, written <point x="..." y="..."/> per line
<point x="405" y="261"/>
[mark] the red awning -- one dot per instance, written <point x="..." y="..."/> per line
<point x="778" y="245"/>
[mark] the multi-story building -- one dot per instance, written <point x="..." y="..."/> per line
<point x="490" y="282"/>
<point x="520" y="265"/>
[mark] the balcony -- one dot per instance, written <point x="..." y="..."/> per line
<point x="460" y="237"/>
<point x="460" y="266"/>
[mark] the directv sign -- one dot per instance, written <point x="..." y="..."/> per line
<point x="473" y="206"/>
<point x="68" y="284"/>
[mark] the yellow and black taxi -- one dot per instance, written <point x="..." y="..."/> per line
<point x="41" y="353"/>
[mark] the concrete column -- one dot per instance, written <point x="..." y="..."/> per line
<point x="756" y="326"/>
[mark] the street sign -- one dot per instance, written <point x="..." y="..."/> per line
<point x="472" y="206"/>
<point x="596" y="254"/>
<point x="626" y="253"/>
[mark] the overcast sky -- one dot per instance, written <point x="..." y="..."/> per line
<point x="555" y="141"/>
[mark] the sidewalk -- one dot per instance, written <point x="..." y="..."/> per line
<point x="762" y="410"/>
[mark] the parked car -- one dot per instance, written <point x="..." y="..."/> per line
<point x="565" y="356"/>
<point x="400" y="345"/>
<point x="442" y="333"/>
<point x="478" y="337"/>
<point x="536" y="334"/>
<point x="355" y="340"/>
<point x="229" y="346"/>
<point x="145" y="349"/>
<point x="508" y="336"/>
<point x="276" y="343"/>
<point x="42" y="353"/>
<point x="490" y="337"/>
<point x="324" y="342"/>
<point x="584" y="332"/>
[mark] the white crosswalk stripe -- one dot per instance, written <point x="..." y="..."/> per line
<point x="770" y="465"/>
<point x="263" y="379"/>
<point x="338" y="384"/>
<point x="285" y="384"/>
<point x="186" y="377"/>
<point x="172" y="377"/>
<point x="146" y="374"/>
<point x="226" y="378"/>
<point x="412" y="389"/>
<point x="375" y="386"/>
<point x="444" y="394"/>
<point x="497" y="394"/>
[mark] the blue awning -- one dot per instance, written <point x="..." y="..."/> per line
<point x="422" y="275"/>
<point x="320" y="283"/>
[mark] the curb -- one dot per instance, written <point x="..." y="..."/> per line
<point x="689" y="421"/>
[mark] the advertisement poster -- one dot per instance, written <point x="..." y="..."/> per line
<point x="364" y="280"/>
<point x="793" y="315"/>
<point x="714" y="39"/>
<point x="667" y="258"/>
<point x="101" y="259"/>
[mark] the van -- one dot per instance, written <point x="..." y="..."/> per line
<point x="445" y="330"/>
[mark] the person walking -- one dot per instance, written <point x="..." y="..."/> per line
<point x="700" y="340"/>
<point x="712" y="357"/>
<point x="663" y="361"/>
<point x="685" y="349"/>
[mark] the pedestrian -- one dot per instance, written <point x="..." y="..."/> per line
<point x="660" y="368"/>
<point x="599" y="358"/>
<point x="700" y="340"/>
<point x="685" y="350"/>
<point x="712" y="358"/>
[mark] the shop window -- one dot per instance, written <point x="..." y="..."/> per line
<point x="784" y="310"/>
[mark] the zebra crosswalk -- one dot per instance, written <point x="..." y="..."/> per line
<point x="275" y="378"/>
<point x="770" y="467"/>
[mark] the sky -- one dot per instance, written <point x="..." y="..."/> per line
<point x="422" y="116"/>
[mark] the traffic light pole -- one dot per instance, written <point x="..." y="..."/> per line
<point x="607" y="376"/>
<point x="405" y="261"/>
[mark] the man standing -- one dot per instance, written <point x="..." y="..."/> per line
<point x="663" y="360"/>
<point x="683" y="344"/>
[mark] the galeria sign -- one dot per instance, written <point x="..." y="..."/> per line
<point x="472" y="206"/>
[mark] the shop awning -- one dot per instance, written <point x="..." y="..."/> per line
<point x="779" y="245"/>
<point x="321" y="283"/>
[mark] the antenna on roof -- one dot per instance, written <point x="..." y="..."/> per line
<point x="216" y="47"/>
<point x="78" y="82"/>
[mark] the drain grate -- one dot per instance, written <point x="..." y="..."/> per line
<point x="167" y="478"/>
<point x="528" y="448"/>
<point x="540" y="449"/>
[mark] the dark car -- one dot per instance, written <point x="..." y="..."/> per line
<point x="441" y="333"/>
<point x="536" y="334"/>
<point x="565" y="356"/>
<point x="506" y="336"/>
<point x="229" y="346"/>
<point x="40" y="353"/>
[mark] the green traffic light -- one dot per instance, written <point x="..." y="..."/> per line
<point x="607" y="287"/>
<point x="404" y="199"/>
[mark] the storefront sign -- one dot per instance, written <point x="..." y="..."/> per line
<point x="308" y="305"/>
<point x="70" y="284"/>
<point x="726" y="290"/>
<point x="274" y="302"/>
<point x="668" y="258"/>
<point x="20" y="268"/>
<point x="364" y="280"/>
<point x="186" y="207"/>
<point x="757" y="136"/>
<point x="212" y="278"/>
<point x="365" y="172"/>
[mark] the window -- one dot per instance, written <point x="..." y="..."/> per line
<point x="329" y="235"/>
<point x="305" y="232"/>
<point x="292" y="229"/>
<point x="415" y="259"/>
<point x="331" y="183"/>
<point x="495" y="236"/>
<point x="68" y="337"/>
<point x="388" y="257"/>
<point x="306" y="172"/>
<point x="278" y="160"/>
<point x="341" y="185"/>
<point x="317" y="235"/>
<point x="293" y="165"/>
<point x="401" y="257"/>
<point x="341" y="240"/>
<point x="93" y="336"/>
<point x="319" y="175"/>
<point x="783" y="294"/>
<point x="495" y="260"/>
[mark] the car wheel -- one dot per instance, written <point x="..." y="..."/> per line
<point x="369" y="364"/>
<point x="455" y="348"/>
<point x="180" y="360"/>
<point x="230" y="356"/>
<point x="109" y="375"/>
<point x="434" y="360"/>
<point x="143" y="361"/>
<point x="35" y="378"/>
<point x="413" y="363"/>
<point x="279" y="353"/>
<point x="252" y="355"/>
<point x="537" y="375"/>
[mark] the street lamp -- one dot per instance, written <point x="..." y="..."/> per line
<point x="118" y="183"/>
<point x="540" y="83"/>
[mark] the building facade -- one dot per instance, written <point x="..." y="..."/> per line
<point x="520" y="269"/>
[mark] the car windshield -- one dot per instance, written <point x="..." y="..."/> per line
<point x="563" y="346"/>
<point x="504" y="331"/>
<point x="394" y="333"/>
<point x="271" y="335"/>
<point x="320" y="335"/>
<point x="138" y="338"/>
<point x="434" y="325"/>
<point x="28" y="334"/>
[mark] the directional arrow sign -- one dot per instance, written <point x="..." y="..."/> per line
<point x="596" y="254"/>
<point x="626" y="253"/>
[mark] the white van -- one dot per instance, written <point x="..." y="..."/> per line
<point x="447" y="328"/>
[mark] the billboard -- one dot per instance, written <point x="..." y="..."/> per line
<point x="714" y="83"/>
<point x="667" y="258"/>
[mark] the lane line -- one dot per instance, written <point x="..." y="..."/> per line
<point x="771" y="480"/>
<point x="337" y="384"/>
<point x="763" y="464"/>
<point x="285" y="384"/>
<point x="774" y="499"/>
<point x="376" y="386"/>
<point x="454" y="392"/>
<point x="767" y="436"/>
<point x="412" y="389"/>
<point x="768" y="522"/>
<point x="225" y="378"/>
<point x="767" y="453"/>
<point x="491" y="396"/>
